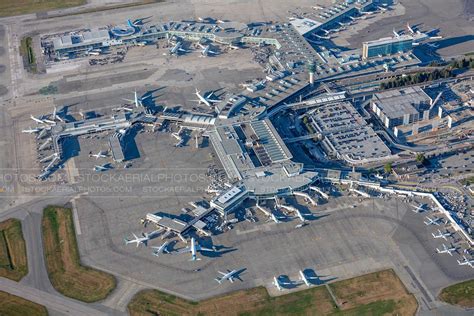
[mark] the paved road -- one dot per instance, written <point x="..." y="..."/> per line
<point x="36" y="285"/>
<point x="37" y="276"/>
<point x="54" y="302"/>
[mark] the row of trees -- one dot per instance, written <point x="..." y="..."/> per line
<point x="446" y="72"/>
<point x="416" y="78"/>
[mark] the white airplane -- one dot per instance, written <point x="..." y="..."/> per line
<point x="410" y="29"/>
<point x="101" y="167"/>
<point x="442" y="235"/>
<point x="419" y="209"/>
<point x="436" y="221"/>
<point x="432" y="45"/>
<point x="56" y="116"/>
<point x="177" y="48"/>
<point x="229" y="275"/>
<point x="206" y="51"/>
<point x="206" y="99"/>
<point x="37" y="120"/>
<point x="322" y="37"/>
<point x="100" y="154"/>
<point x="367" y="12"/>
<point x="469" y="262"/>
<point x="274" y="218"/>
<point x="141" y="240"/>
<point x="396" y="33"/>
<point x="300" y="215"/>
<point x="306" y="279"/>
<point x="161" y="249"/>
<point x="137" y="101"/>
<point x="194" y="248"/>
<point x="383" y="9"/>
<point x="31" y="130"/>
<point x="42" y="120"/>
<point x="278" y="283"/>
<point x="344" y="24"/>
<point x="447" y="250"/>
<point x="326" y="31"/>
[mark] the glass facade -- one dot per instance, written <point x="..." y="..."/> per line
<point x="383" y="48"/>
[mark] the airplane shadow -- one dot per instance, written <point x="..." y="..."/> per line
<point x="130" y="148"/>
<point x="217" y="254"/>
<point x="239" y="273"/>
<point x="286" y="282"/>
<point x="316" y="279"/>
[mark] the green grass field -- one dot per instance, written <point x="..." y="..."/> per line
<point x="18" y="7"/>
<point x="379" y="293"/>
<point x="13" y="263"/>
<point x="11" y="305"/>
<point x="461" y="294"/>
<point x="65" y="271"/>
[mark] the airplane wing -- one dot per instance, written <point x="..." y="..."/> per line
<point x="183" y="250"/>
<point x="199" y="248"/>
<point x="222" y="273"/>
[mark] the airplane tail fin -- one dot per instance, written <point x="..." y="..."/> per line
<point x="218" y="280"/>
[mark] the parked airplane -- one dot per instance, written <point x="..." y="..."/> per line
<point x="436" y="221"/>
<point x="37" y="120"/>
<point x="194" y="248"/>
<point x="141" y="240"/>
<point x="103" y="167"/>
<point x="206" y="51"/>
<point x="206" y="99"/>
<point x="469" y="262"/>
<point x="419" y="209"/>
<point x="299" y="215"/>
<point x="447" y="250"/>
<point x="432" y="45"/>
<point x="410" y="29"/>
<point x="279" y="283"/>
<point x="161" y="249"/>
<point x="367" y="12"/>
<point x="306" y="279"/>
<point x="177" y="48"/>
<point x="31" y="130"/>
<point x="230" y="275"/>
<point x="382" y="9"/>
<point x="322" y="37"/>
<point x="100" y="154"/>
<point x="442" y="235"/>
<point x="396" y="33"/>
<point x="326" y="31"/>
<point x="137" y="101"/>
<point x="274" y="218"/>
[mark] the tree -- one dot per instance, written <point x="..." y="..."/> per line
<point x="388" y="167"/>
<point x="420" y="158"/>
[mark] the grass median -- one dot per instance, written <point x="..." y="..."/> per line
<point x="461" y="294"/>
<point x="65" y="271"/>
<point x="380" y="293"/>
<point x="11" y="305"/>
<point x="13" y="262"/>
<point x="18" y="7"/>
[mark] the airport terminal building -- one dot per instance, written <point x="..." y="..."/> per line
<point x="387" y="46"/>
<point x="402" y="107"/>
